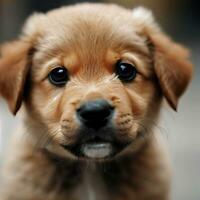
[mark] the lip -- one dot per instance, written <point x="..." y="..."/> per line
<point x="96" y="149"/>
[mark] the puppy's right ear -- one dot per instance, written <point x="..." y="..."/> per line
<point x="14" y="67"/>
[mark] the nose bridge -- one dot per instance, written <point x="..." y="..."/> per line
<point x="93" y="95"/>
<point x="93" y="91"/>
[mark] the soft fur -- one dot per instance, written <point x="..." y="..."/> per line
<point x="89" y="39"/>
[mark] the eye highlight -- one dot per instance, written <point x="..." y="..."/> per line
<point x="58" y="76"/>
<point x="125" y="71"/>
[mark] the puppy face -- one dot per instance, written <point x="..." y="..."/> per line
<point x="94" y="80"/>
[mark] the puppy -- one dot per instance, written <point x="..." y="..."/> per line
<point x="90" y="80"/>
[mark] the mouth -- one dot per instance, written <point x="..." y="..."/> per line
<point x="96" y="149"/>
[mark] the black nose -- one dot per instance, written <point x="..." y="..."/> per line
<point x="95" y="114"/>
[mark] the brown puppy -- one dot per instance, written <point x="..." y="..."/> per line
<point x="91" y="78"/>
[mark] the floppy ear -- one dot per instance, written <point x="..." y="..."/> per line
<point x="170" y="59"/>
<point x="14" y="66"/>
<point x="171" y="66"/>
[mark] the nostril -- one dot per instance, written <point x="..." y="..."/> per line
<point x="95" y="111"/>
<point x="91" y="112"/>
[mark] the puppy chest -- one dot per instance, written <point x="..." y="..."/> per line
<point x="90" y="188"/>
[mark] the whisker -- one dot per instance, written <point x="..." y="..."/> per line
<point x="52" y="136"/>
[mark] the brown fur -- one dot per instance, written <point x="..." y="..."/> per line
<point x="89" y="39"/>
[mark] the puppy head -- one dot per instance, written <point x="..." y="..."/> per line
<point x="93" y="80"/>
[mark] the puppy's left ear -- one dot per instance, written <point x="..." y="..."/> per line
<point x="171" y="66"/>
<point x="14" y="67"/>
<point x="170" y="59"/>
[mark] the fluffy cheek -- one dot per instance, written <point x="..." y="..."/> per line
<point x="44" y="102"/>
<point x="135" y="106"/>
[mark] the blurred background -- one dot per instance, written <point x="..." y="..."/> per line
<point x="180" y="19"/>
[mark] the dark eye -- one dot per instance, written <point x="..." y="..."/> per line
<point x="58" y="76"/>
<point x="125" y="71"/>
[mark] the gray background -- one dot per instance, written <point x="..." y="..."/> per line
<point x="180" y="18"/>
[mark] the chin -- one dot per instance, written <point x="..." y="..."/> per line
<point x="96" y="150"/>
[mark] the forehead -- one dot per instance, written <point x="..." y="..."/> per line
<point x="90" y="29"/>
